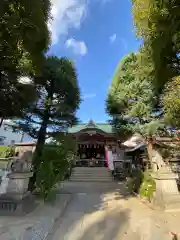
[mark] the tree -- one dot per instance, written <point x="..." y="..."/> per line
<point x="118" y="101"/>
<point x="24" y="31"/>
<point x="24" y="39"/>
<point x="157" y="22"/>
<point x="55" y="109"/>
<point x="171" y="102"/>
<point x="15" y="98"/>
<point x="136" y="98"/>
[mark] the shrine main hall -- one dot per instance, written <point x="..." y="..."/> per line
<point x="92" y="140"/>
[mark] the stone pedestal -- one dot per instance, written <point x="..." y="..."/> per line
<point x="17" y="200"/>
<point x="14" y="195"/>
<point x="167" y="195"/>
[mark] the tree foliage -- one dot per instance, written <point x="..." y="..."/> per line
<point x="15" y="98"/>
<point x="137" y="90"/>
<point x="118" y="97"/>
<point x="158" y="23"/>
<point x="132" y="95"/>
<point x="24" y="38"/>
<point x="24" y="31"/>
<point x="57" y="102"/>
<point x="55" y="109"/>
<point x="172" y="102"/>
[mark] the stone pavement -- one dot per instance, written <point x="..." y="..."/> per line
<point x="37" y="224"/>
<point x="91" y="211"/>
<point x="105" y="212"/>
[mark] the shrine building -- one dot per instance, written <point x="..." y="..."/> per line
<point x="92" y="141"/>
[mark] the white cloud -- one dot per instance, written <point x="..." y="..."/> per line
<point x="89" y="95"/>
<point x="112" y="38"/>
<point x="25" y="80"/>
<point x="66" y="14"/>
<point x="78" y="47"/>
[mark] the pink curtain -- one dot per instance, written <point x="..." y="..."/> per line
<point x="106" y="156"/>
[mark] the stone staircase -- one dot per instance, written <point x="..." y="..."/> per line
<point x="91" y="174"/>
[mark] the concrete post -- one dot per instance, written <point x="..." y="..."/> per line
<point x="167" y="195"/>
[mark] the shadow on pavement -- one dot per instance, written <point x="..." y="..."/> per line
<point x="94" y="213"/>
<point x="112" y="225"/>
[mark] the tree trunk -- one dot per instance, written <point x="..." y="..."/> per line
<point x="1" y="121"/>
<point x="41" y="138"/>
<point x="39" y="149"/>
<point x="150" y="150"/>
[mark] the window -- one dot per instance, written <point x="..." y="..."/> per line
<point x="12" y="142"/>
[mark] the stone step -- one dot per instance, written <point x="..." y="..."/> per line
<point x="90" y="177"/>
<point x="90" y="168"/>
<point x="90" y="172"/>
<point x="94" y="174"/>
<point x="91" y="180"/>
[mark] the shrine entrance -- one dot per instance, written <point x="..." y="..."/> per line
<point x="91" y="140"/>
<point x="91" y="151"/>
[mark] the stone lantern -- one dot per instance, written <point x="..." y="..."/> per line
<point x="14" y="194"/>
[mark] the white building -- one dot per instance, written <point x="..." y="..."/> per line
<point x="10" y="135"/>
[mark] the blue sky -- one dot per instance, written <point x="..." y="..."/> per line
<point x="96" y="34"/>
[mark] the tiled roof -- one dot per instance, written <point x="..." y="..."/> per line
<point x="82" y="126"/>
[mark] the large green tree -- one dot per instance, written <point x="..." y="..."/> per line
<point x="55" y="109"/>
<point x="24" y="31"/>
<point x="118" y="98"/>
<point x="132" y="96"/>
<point x="24" y="38"/>
<point x="158" y="23"/>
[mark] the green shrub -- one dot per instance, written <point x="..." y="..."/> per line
<point x="141" y="183"/>
<point x="136" y="180"/>
<point x="6" y="151"/>
<point x="148" y="186"/>
<point x="53" y="167"/>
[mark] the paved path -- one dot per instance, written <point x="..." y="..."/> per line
<point x="102" y="212"/>
<point x="35" y="225"/>
<point x="92" y="211"/>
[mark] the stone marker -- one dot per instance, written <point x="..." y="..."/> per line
<point x="167" y="195"/>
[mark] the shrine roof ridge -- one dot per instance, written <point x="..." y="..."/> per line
<point x="105" y="127"/>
